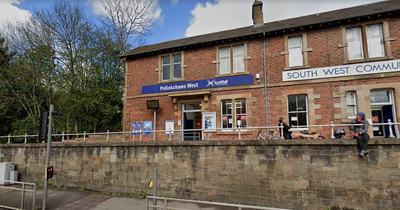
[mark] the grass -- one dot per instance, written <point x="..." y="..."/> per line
<point x="82" y="189"/>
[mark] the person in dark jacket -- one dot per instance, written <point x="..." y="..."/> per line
<point x="290" y="135"/>
<point x="361" y="133"/>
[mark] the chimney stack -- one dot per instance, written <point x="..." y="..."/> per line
<point x="258" y="17"/>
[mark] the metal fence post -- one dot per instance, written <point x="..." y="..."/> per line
<point x="108" y="136"/>
<point x="332" y="130"/>
<point x="34" y="197"/>
<point x="9" y="139"/>
<point x="202" y="134"/>
<point x="140" y="134"/>
<point x="63" y="137"/>
<point x="155" y="188"/>
<point x="23" y="196"/>
<point x="26" y="138"/>
<point x="169" y="139"/>
<point x="282" y="137"/>
<point x="390" y="128"/>
<point x="84" y="136"/>
<point x="240" y="133"/>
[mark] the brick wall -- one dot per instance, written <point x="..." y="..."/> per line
<point x="300" y="175"/>
<point x="325" y="96"/>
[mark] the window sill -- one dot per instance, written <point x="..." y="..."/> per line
<point x="296" y="67"/>
<point x="368" y="59"/>
<point x="233" y="74"/>
<point x="171" y="81"/>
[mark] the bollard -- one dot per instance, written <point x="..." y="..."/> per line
<point x="390" y="128"/>
<point x="282" y="131"/>
<point x="25" y="138"/>
<point x="108" y="136"/>
<point x="9" y="139"/>
<point x="332" y="130"/>
<point x="62" y="137"/>
<point x="84" y="136"/>
<point x="169" y="139"/>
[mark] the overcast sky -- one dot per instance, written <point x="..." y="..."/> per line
<point x="180" y="18"/>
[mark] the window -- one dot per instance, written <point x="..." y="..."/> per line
<point x="366" y="42"/>
<point x="298" y="110"/>
<point x="351" y="104"/>
<point x="295" y="51"/>
<point x="171" y="67"/>
<point x="380" y="97"/>
<point x="241" y="113"/>
<point x="232" y="59"/>
<point x="227" y="121"/>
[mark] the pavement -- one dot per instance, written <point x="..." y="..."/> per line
<point x="70" y="199"/>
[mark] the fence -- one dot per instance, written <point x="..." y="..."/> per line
<point x="165" y="204"/>
<point x="18" y="195"/>
<point x="192" y="133"/>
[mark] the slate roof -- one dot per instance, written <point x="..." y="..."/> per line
<point x="390" y="6"/>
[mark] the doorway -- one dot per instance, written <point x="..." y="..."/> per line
<point x="191" y="114"/>
<point x="383" y="109"/>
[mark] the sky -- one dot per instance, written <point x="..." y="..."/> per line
<point x="185" y="18"/>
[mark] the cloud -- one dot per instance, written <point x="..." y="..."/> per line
<point x="174" y="1"/>
<point x="10" y="12"/>
<point x="222" y="15"/>
<point x="157" y="11"/>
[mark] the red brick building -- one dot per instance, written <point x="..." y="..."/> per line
<point x="310" y="70"/>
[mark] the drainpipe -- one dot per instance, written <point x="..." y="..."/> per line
<point x="265" y="83"/>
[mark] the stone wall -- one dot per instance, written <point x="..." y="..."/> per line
<point x="303" y="174"/>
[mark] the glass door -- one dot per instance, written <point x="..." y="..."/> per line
<point x="383" y="109"/>
<point x="191" y="114"/>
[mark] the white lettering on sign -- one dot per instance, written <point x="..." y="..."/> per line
<point x="213" y="83"/>
<point x="341" y="71"/>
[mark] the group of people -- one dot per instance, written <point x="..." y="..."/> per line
<point x="360" y="130"/>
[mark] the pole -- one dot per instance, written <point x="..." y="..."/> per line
<point x="154" y="134"/>
<point x="46" y="184"/>
<point x="155" y="188"/>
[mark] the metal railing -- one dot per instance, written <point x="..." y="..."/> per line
<point x="18" y="195"/>
<point x="165" y="203"/>
<point x="140" y="134"/>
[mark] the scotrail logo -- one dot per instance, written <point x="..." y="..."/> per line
<point x="214" y="83"/>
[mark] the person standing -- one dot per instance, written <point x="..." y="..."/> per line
<point x="361" y="133"/>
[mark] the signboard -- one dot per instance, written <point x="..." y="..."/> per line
<point x="342" y="71"/>
<point x="209" y="120"/>
<point x="169" y="127"/>
<point x="199" y="84"/>
<point x="137" y="127"/>
<point x="153" y="104"/>
<point x="148" y="125"/>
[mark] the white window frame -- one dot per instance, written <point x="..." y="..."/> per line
<point x="236" y="114"/>
<point x="171" y="67"/>
<point x="227" y="115"/>
<point x="352" y="94"/>
<point x="233" y="68"/>
<point x="369" y="37"/>
<point x="290" y="112"/>
<point x="354" y="39"/>
<point x="292" y="50"/>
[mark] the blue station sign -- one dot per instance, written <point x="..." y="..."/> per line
<point x="199" y="84"/>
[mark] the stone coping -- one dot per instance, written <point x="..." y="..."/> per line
<point x="319" y="142"/>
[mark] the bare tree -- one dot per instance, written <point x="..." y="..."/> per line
<point x="128" y="21"/>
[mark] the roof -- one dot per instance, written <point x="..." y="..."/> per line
<point x="315" y="19"/>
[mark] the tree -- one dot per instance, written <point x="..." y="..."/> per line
<point x="128" y="21"/>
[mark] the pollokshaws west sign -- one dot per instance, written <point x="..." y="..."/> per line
<point x="199" y="84"/>
<point x="342" y="71"/>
